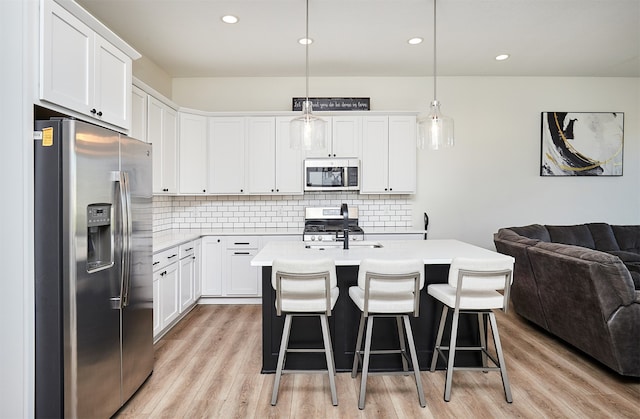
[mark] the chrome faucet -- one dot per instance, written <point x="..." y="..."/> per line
<point x="344" y="211"/>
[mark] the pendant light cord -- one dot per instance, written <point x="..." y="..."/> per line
<point x="306" y="50"/>
<point x="434" y="50"/>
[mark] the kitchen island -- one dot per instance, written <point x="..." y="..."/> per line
<point x="437" y="256"/>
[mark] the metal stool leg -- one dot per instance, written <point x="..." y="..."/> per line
<point x="283" y="350"/>
<point x="436" y="349"/>
<point x="329" y="355"/>
<point x="483" y="338"/>
<point x="403" y="349"/>
<point x="365" y="363"/>
<point x="356" y="353"/>
<point x="452" y="355"/>
<point x="503" y="367"/>
<point x="414" y="360"/>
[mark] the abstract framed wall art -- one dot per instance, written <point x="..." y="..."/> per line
<point x="582" y="143"/>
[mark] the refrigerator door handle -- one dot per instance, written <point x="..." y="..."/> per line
<point x="125" y="192"/>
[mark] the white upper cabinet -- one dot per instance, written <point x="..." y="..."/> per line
<point x="138" y="114"/>
<point x="162" y="132"/>
<point x="388" y="155"/>
<point x="226" y="150"/>
<point x="261" y="152"/>
<point x="193" y="154"/>
<point x="402" y="154"/>
<point x="81" y="71"/>
<point x="343" y="137"/>
<point x="346" y="136"/>
<point x="273" y="166"/>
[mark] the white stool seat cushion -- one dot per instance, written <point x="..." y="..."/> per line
<point x="383" y="302"/>
<point x="469" y="299"/>
<point x="305" y="303"/>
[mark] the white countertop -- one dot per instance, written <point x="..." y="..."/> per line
<point x="431" y="251"/>
<point x="169" y="238"/>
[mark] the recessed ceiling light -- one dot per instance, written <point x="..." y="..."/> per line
<point x="415" y="41"/>
<point x="305" y="41"/>
<point x="230" y="19"/>
<point x="502" y="57"/>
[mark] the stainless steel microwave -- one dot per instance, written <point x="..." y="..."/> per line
<point x="331" y="174"/>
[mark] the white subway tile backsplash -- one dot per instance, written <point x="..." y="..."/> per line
<point x="277" y="211"/>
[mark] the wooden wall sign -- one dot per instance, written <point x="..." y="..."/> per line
<point x="334" y="103"/>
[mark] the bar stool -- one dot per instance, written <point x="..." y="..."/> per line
<point x="388" y="288"/>
<point x="305" y="288"/>
<point x="473" y="287"/>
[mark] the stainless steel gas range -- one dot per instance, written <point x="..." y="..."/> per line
<point x="326" y="224"/>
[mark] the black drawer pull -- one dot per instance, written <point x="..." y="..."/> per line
<point x="241" y="253"/>
<point x="244" y="244"/>
<point x="189" y="249"/>
<point x="172" y="256"/>
<point x="155" y="263"/>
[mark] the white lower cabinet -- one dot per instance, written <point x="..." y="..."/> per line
<point x="212" y="248"/>
<point x="187" y="276"/>
<point x="175" y="273"/>
<point x="169" y="308"/>
<point x="241" y="279"/>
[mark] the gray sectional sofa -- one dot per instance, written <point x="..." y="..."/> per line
<point x="582" y="284"/>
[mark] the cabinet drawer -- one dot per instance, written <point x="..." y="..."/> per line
<point x="242" y="242"/>
<point x="164" y="258"/>
<point x="187" y="249"/>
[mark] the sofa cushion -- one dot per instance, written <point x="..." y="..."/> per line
<point x="577" y="235"/>
<point x="533" y="231"/>
<point x="512" y="236"/>
<point x="628" y="237"/>
<point x="603" y="237"/>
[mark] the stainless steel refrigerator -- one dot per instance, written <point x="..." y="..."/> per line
<point x="93" y="278"/>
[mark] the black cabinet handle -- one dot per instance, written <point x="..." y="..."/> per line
<point x="271" y="190"/>
<point x="172" y="256"/>
<point x="241" y="190"/>
<point x="241" y="253"/>
<point x="100" y="113"/>
<point x="155" y="263"/>
<point x="189" y="249"/>
<point x="93" y="111"/>
<point x="163" y="273"/>
<point x="242" y="243"/>
<point x="204" y="190"/>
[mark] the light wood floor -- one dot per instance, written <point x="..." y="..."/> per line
<point x="208" y="366"/>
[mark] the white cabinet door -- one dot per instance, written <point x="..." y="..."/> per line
<point x="242" y="278"/>
<point x="66" y="69"/>
<point x="112" y="85"/>
<point x="157" y="324"/>
<point x="212" y="255"/>
<point x="226" y="155"/>
<point x="346" y="136"/>
<point x="375" y="157"/>
<point x="261" y="155"/>
<point x="187" y="272"/>
<point x="169" y="293"/>
<point x="193" y="154"/>
<point x="388" y="163"/>
<point x="81" y="71"/>
<point x="162" y="124"/>
<point x="289" y="171"/>
<point x="138" y="114"/>
<point x="402" y="154"/>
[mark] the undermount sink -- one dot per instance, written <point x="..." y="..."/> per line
<point x="339" y="245"/>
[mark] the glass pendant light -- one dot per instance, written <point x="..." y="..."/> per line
<point x="307" y="132"/>
<point x="435" y="130"/>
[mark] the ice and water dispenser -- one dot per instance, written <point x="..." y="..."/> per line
<point x="99" y="237"/>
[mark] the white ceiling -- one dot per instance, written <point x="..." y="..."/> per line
<point x="186" y="38"/>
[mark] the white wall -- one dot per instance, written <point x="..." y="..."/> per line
<point x="490" y="179"/>
<point x="154" y="76"/>
<point x="17" y="18"/>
